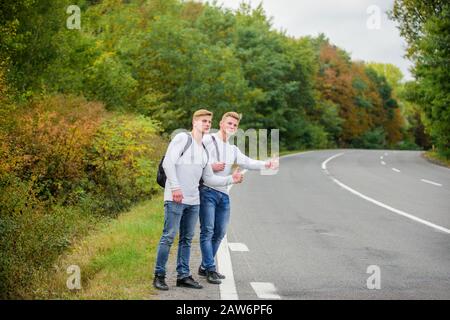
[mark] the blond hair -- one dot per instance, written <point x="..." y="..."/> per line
<point x="232" y="114"/>
<point x="200" y="113"/>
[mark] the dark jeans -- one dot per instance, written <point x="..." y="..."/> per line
<point x="214" y="218"/>
<point x="182" y="217"/>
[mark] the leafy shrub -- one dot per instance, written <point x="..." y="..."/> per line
<point x="32" y="236"/>
<point x="373" y="139"/>
<point x="64" y="164"/>
<point x="122" y="162"/>
<point x="407" y="144"/>
<point x="50" y="139"/>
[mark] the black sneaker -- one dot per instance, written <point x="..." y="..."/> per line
<point x="213" y="277"/>
<point x="159" y="282"/>
<point x="202" y="272"/>
<point x="189" y="282"/>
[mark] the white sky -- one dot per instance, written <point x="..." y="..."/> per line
<point x="344" y="22"/>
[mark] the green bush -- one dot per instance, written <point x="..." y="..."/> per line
<point x="31" y="239"/>
<point x="308" y="136"/>
<point x="407" y="144"/>
<point x="64" y="165"/>
<point x="372" y="139"/>
<point x="122" y="162"/>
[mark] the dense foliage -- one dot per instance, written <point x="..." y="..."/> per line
<point x="426" y="28"/>
<point x="83" y="111"/>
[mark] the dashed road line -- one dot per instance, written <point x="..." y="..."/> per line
<point x="237" y="246"/>
<point x="396" y="170"/>
<point x="431" y="182"/>
<point x="265" y="290"/>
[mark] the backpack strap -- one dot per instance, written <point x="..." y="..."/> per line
<point x="188" y="144"/>
<point x="217" y="147"/>
<point x="207" y="154"/>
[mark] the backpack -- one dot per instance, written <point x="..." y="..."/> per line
<point x="161" y="174"/>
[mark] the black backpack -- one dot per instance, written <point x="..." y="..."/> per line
<point x="161" y="174"/>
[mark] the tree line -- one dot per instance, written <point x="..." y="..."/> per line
<point x="85" y="113"/>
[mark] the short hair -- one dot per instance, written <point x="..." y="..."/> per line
<point x="200" y="113"/>
<point x="232" y="114"/>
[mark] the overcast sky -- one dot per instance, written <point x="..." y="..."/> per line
<point x="344" y="22"/>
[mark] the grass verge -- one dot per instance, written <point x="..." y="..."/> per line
<point x="116" y="260"/>
<point x="434" y="157"/>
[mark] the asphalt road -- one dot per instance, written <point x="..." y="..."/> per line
<point x="309" y="237"/>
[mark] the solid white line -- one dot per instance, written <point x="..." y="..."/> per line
<point x="265" y="290"/>
<point x="385" y="206"/>
<point x="228" y="287"/>
<point x="383" y="163"/>
<point x="237" y="246"/>
<point x="324" y="164"/>
<point x="402" y="213"/>
<point x="396" y="170"/>
<point x="431" y="182"/>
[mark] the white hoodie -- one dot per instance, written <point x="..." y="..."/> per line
<point x="229" y="154"/>
<point x="184" y="172"/>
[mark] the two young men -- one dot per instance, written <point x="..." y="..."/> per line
<point x="187" y="160"/>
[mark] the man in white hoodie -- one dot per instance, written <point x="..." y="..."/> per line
<point x="214" y="199"/>
<point x="185" y="162"/>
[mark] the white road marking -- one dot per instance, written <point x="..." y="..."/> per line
<point x="237" y="246"/>
<point x="381" y="157"/>
<point x="265" y="290"/>
<point x="431" y="182"/>
<point x="324" y="164"/>
<point x="383" y="163"/>
<point x="385" y="206"/>
<point x="396" y="170"/>
<point x="228" y="287"/>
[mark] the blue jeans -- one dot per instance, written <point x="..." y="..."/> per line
<point x="177" y="217"/>
<point x="214" y="218"/>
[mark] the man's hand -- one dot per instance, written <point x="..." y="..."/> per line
<point x="237" y="176"/>
<point x="273" y="164"/>
<point x="177" y="195"/>
<point x="218" y="166"/>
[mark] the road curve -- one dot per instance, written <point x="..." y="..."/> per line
<point x="310" y="238"/>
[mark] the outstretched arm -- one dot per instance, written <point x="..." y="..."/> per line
<point x="248" y="163"/>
